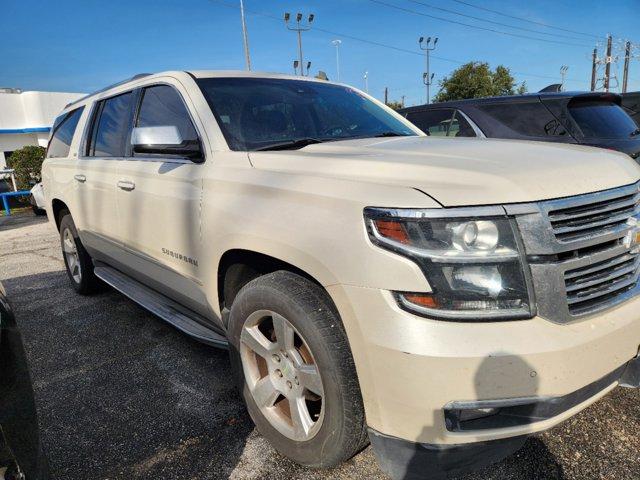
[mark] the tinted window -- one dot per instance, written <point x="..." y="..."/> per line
<point x="530" y="119"/>
<point x="444" y="122"/>
<point x="111" y="129"/>
<point x="63" y="130"/>
<point x="163" y="106"/>
<point x="602" y="120"/>
<point x="258" y="113"/>
<point x="435" y="123"/>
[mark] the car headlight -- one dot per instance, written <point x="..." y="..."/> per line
<point x="471" y="257"/>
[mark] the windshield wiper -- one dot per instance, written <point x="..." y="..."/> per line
<point x="290" y="145"/>
<point x="391" y="134"/>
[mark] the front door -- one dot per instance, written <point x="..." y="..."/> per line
<point x="158" y="199"/>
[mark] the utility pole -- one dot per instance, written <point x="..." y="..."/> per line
<point x="427" y="77"/>
<point x="299" y="27"/>
<point x="245" y="37"/>
<point x="627" y="58"/>
<point x="366" y="81"/>
<point x="594" y="69"/>
<point x="608" y="60"/>
<point x="402" y="101"/>
<point x="386" y="95"/>
<point x="336" y="43"/>
<point x="563" y="74"/>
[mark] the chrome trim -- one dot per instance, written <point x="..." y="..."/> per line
<point x="418" y="213"/>
<point x="438" y="257"/>
<point x="479" y="133"/>
<point x="464" y="315"/>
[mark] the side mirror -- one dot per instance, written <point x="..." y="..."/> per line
<point x="165" y="140"/>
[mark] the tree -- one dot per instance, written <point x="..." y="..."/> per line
<point x="477" y="80"/>
<point x="395" y="105"/>
<point x="27" y="163"/>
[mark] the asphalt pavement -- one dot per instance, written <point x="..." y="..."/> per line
<point x="122" y="395"/>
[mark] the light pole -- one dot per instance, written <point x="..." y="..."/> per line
<point x="427" y="77"/>
<point x="563" y="74"/>
<point x="299" y="27"/>
<point x="245" y="37"/>
<point x="366" y="81"/>
<point x="337" y="43"/>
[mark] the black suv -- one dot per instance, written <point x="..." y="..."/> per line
<point x="631" y="101"/>
<point x="587" y="118"/>
<point x="21" y="454"/>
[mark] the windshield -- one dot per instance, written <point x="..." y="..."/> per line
<point x="603" y="120"/>
<point x="265" y="113"/>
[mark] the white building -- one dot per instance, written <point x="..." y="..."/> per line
<point x="26" y="118"/>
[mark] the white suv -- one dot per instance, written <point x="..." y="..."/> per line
<point x="442" y="299"/>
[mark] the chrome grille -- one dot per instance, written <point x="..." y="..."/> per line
<point x="592" y="287"/>
<point x="581" y="251"/>
<point x="593" y="219"/>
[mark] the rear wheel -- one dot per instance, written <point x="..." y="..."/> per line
<point x="77" y="261"/>
<point x="295" y="370"/>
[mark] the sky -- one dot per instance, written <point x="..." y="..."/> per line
<point x="84" y="45"/>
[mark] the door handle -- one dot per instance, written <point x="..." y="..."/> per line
<point x="126" y="185"/>
<point x="80" y="178"/>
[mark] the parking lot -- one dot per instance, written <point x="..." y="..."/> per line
<point x="123" y="395"/>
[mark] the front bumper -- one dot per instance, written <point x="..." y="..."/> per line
<point x="411" y="369"/>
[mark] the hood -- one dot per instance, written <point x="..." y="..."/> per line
<point x="465" y="171"/>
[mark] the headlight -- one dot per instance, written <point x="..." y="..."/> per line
<point x="471" y="258"/>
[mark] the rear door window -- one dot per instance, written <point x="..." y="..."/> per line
<point x="443" y="122"/>
<point x="602" y="120"/>
<point x="435" y="123"/>
<point x="63" y="130"/>
<point x="112" y="126"/>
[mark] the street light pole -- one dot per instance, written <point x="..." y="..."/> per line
<point x="245" y="37"/>
<point x="366" y="81"/>
<point x="299" y="28"/>
<point x="337" y="43"/>
<point x="427" y="77"/>
<point x="563" y="74"/>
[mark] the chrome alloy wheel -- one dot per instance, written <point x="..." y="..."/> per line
<point x="71" y="256"/>
<point x="282" y="375"/>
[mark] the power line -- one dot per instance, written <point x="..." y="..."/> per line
<point x="378" y="44"/>
<point x="527" y="20"/>
<point x="415" y="12"/>
<point x="453" y="12"/>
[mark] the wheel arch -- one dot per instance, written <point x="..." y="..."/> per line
<point x="57" y="207"/>
<point x="238" y="266"/>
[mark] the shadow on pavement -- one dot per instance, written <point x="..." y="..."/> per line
<point x="120" y="393"/>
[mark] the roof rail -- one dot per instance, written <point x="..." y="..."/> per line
<point x="109" y="87"/>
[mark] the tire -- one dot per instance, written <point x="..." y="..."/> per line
<point x="339" y="431"/>
<point x="80" y="268"/>
<point x="38" y="211"/>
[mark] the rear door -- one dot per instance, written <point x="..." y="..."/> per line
<point x="158" y="200"/>
<point x="95" y="177"/>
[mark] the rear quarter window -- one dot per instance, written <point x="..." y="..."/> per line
<point x="520" y="119"/>
<point x="64" y="129"/>
<point x="602" y="120"/>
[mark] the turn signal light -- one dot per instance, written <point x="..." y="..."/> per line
<point x="392" y="230"/>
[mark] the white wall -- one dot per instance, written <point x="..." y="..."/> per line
<point x="29" y="110"/>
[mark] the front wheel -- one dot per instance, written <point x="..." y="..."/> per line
<point x="295" y="370"/>
<point x="77" y="261"/>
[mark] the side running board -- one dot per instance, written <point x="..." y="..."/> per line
<point x="168" y="310"/>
